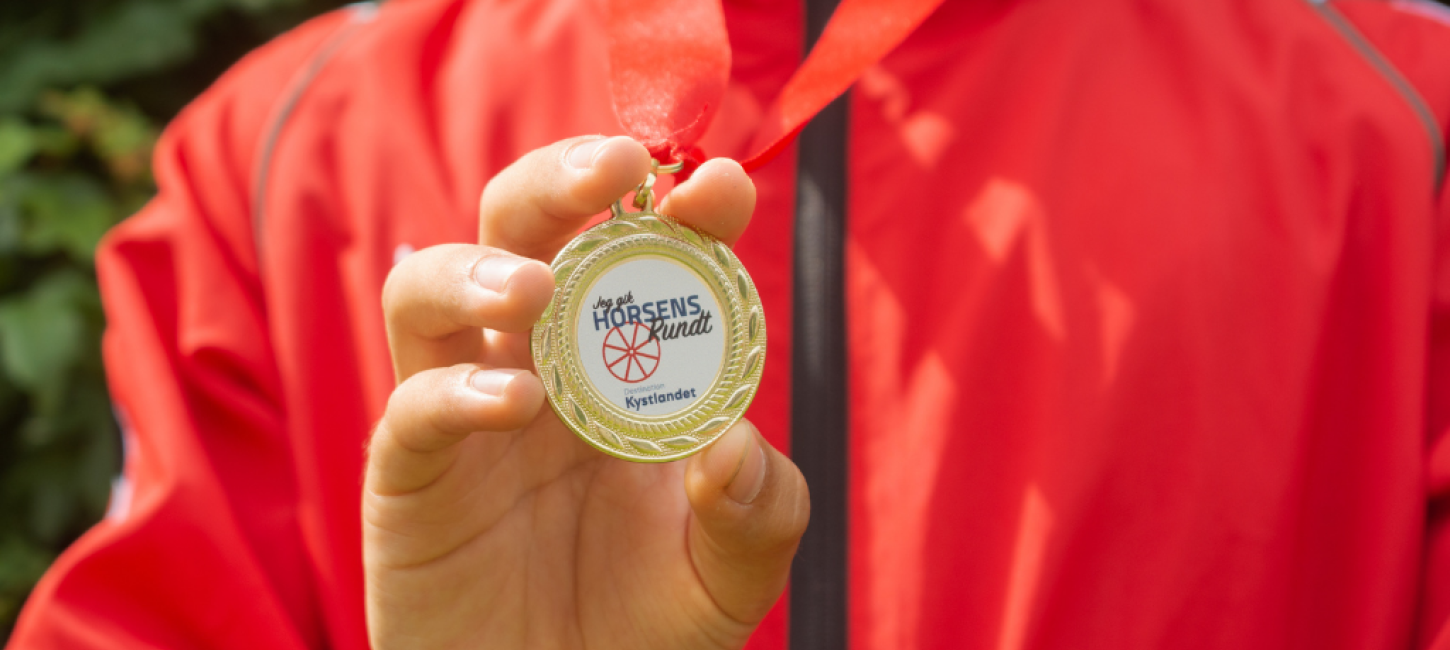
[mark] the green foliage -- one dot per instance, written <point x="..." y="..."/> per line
<point x="69" y="168"/>
<point x="84" y="86"/>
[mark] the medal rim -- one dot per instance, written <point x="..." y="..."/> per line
<point x="573" y="396"/>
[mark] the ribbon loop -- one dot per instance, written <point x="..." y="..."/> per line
<point x="669" y="63"/>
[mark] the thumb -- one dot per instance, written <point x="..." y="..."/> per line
<point x="751" y="506"/>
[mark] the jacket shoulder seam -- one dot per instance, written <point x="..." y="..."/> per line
<point x="1357" y="41"/>
<point x="361" y="13"/>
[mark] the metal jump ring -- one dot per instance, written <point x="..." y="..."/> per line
<point x="644" y="198"/>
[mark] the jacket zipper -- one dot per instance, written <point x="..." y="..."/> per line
<point x="818" y="368"/>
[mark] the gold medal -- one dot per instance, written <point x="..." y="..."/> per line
<point x="654" y="342"/>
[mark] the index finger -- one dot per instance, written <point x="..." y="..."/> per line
<point x="536" y="205"/>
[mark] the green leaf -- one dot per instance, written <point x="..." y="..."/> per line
<point x="17" y="144"/>
<point x="21" y="563"/>
<point x="40" y="429"/>
<point x="51" y="507"/>
<point x="71" y="407"/>
<point x="61" y="212"/>
<point x="54" y="141"/>
<point x="133" y="37"/>
<point x="12" y="225"/>
<point x="118" y="133"/>
<point x="83" y="86"/>
<point x="52" y="500"/>
<point x="41" y="330"/>
<point x="101" y="459"/>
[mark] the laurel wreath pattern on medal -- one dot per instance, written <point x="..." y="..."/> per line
<point x="608" y="427"/>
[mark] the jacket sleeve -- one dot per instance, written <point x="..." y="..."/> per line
<point x="1433" y="617"/>
<point x="1434" y="613"/>
<point x="1414" y="36"/>
<point x="200" y="547"/>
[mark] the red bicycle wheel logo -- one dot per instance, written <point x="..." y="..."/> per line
<point x="631" y="357"/>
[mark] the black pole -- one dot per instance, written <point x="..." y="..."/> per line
<point x="818" y="381"/>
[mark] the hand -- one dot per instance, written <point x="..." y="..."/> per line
<point x="486" y="522"/>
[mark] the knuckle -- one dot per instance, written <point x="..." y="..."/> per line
<point x="400" y="401"/>
<point x="447" y="411"/>
<point x="420" y="391"/>
<point x="431" y="400"/>
<point x="392" y="293"/>
<point x="491" y="191"/>
<point x="506" y="185"/>
<point x="399" y="286"/>
<point x="434" y="292"/>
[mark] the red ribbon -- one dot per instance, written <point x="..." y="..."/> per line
<point x="670" y="61"/>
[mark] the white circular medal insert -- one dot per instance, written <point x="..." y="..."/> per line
<point x="651" y="336"/>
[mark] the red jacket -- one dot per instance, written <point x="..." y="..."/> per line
<point x="1149" y="318"/>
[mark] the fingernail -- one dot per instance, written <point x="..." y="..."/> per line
<point x="581" y="155"/>
<point x="492" y="382"/>
<point x="493" y="273"/>
<point x="739" y="455"/>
